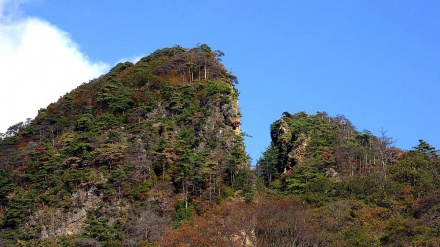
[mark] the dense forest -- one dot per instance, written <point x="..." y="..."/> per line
<point x="120" y="158"/>
<point x="152" y="154"/>
<point x="361" y="190"/>
<point x="321" y="182"/>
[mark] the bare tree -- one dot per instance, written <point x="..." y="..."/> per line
<point x="146" y="224"/>
<point x="385" y="151"/>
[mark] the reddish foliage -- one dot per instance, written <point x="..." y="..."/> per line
<point x="327" y="155"/>
<point x="23" y="142"/>
<point x="41" y="149"/>
<point x="272" y="222"/>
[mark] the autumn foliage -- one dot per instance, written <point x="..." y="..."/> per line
<point x="267" y="222"/>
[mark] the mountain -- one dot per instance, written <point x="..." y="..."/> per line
<point x="362" y="190"/>
<point x="120" y="158"/>
<point x="152" y="154"/>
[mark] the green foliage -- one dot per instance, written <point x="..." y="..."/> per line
<point x="219" y="90"/>
<point x="119" y="68"/>
<point x="268" y="166"/>
<point x="303" y="178"/>
<point x="116" y="96"/>
<point x="106" y="121"/>
<point x="417" y="169"/>
<point x="77" y="145"/>
<point x="244" y="181"/>
<point x="7" y="185"/>
<point x="318" y="191"/>
<point x="225" y="192"/>
<point x="314" y="136"/>
<point x="9" y="141"/>
<point x="182" y="214"/>
<point x="368" y="188"/>
<point x="356" y="236"/>
<point x="426" y="148"/>
<point x="19" y="207"/>
<point x="238" y="155"/>
<point x="402" y="231"/>
<point x="164" y="52"/>
<point x="99" y="226"/>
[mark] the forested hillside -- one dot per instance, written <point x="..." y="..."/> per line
<point x="152" y="154"/>
<point x="360" y="188"/>
<point x="119" y="159"/>
<point x="323" y="183"/>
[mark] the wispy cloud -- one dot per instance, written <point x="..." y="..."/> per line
<point x="133" y="59"/>
<point x="38" y="63"/>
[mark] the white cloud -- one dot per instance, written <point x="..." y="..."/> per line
<point x="38" y="64"/>
<point x="133" y="59"/>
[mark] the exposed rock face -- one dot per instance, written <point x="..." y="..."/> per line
<point x="57" y="222"/>
<point x="231" y="114"/>
<point x="291" y="145"/>
<point x="244" y="239"/>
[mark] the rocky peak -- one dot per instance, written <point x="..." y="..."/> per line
<point x="154" y="134"/>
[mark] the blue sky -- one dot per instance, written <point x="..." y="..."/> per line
<point x="376" y="62"/>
